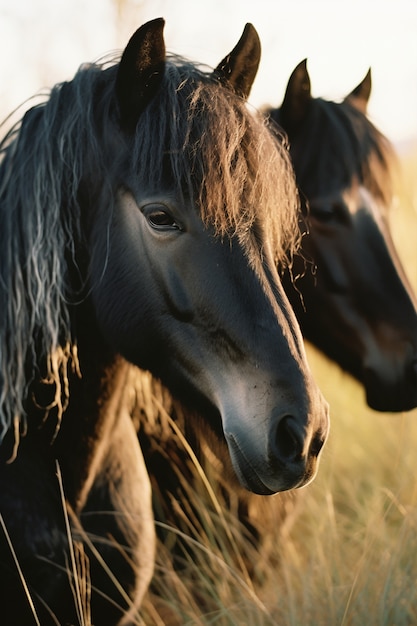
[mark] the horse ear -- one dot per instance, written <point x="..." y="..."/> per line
<point x="140" y="71"/>
<point x="360" y="95"/>
<point x="238" y="69"/>
<point x="297" y="98"/>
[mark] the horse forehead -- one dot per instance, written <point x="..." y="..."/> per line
<point x="359" y="199"/>
<point x="355" y="198"/>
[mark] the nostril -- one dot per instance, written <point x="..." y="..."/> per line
<point x="316" y="444"/>
<point x="288" y="443"/>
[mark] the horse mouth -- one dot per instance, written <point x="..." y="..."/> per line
<point x="282" y="479"/>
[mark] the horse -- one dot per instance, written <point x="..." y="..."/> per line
<point x="144" y="211"/>
<point x="357" y="306"/>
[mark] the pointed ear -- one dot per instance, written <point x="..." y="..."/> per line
<point x="238" y="69"/>
<point x="297" y="98"/>
<point x="359" y="97"/>
<point x="140" y="71"/>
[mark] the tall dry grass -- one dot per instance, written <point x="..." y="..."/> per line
<point x="346" y="553"/>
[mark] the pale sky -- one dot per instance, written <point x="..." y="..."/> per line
<point x="44" y="41"/>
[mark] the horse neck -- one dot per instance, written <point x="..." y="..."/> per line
<point x="96" y="401"/>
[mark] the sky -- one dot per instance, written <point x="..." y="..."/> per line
<point x="44" y="41"/>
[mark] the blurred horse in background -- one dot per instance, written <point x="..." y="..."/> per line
<point x="357" y="306"/>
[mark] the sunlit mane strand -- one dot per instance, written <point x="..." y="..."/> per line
<point x="377" y="157"/>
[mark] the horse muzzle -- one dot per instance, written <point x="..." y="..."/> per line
<point x="389" y="371"/>
<point x="391" y="391"/>
<point x="289" y="458"/>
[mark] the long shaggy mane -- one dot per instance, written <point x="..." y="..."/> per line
<point x="195" y="136"/>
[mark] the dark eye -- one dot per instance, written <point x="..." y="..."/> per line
<point x="327" y="210"/>
<point x="324" y="212"/>
<point x="160" y="218"/>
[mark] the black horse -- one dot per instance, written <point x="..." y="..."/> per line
<point x="140" y="225"/>
<point x="358" y="306"/>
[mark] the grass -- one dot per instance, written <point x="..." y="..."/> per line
<point x="344" y="551"/>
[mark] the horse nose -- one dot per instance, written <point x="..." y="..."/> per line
<point x="391" y="386"/>
<point x="288" y="442"/>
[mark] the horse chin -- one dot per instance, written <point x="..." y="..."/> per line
<point x="384" y="394"/>
<point x="387" y="402"/>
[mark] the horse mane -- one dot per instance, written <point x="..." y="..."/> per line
<point x="342" y="134"/>
<point x="191" y="122"/>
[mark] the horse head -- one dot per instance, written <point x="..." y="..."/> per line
<point x="358" y="307"/>
<point x="183" y="272"/>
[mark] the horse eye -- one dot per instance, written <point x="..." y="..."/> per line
<point x="327" y="211"/>
<point x="160" y="218"/>
<point x="323" y="212"/>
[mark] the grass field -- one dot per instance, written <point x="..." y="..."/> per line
<point x="346" y="553"/>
